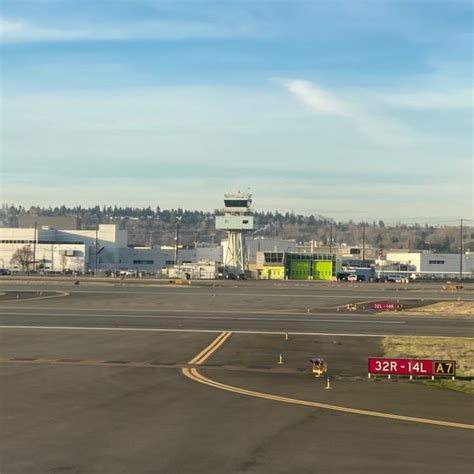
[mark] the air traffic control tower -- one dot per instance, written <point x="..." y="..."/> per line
<point x="237" y="219"/>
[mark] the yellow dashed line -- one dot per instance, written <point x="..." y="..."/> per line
<point x="194" y="374"/>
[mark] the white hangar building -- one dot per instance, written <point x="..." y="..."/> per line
<point x="443" y="265"/>
<point x="57" y="250"/>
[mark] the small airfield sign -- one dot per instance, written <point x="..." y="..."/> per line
<point x="386" y="306"/>
<point x="444" y="367"/>
<point x="412" y="367"/>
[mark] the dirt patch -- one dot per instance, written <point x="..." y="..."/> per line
<point x="459" y="349"/>
<point x="445" y="308"/>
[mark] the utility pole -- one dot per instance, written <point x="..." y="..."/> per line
<point x="330" y="239"/>
<point x="461" y="251"/>
<point x="34" y="246"/>
<point x="96" y="250"/>
<point x="363" y="244"/>
<point x="177" y="242"/>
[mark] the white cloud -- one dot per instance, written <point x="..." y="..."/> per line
<point x="317" y="98"/>
<point x="376" y="127"/>
<point x="22" y="31"/>
<point x="371" y="113"/>
<point x="11" y="27"/>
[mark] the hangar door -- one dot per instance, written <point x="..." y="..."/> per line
<point x="322" y="270"/>
<point x="300" y="269"/>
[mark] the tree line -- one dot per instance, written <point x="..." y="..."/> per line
<point x="157" y="226"/>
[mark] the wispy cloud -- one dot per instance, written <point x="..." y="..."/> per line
<point x="378" y="115"/>
<point x="317" y="98"/>
<point x="376" y="127"/>
<point x="19" y="30"/>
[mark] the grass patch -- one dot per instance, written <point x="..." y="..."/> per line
<point x="444" y="308"/>
<point x="459" y="349"/>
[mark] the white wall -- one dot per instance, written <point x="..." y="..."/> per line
<point x="435" y="263"/>
<point x="48" y="255"/>
<point x="412" y="258"/>
<point x="197" y="271"/>
<point x="130" y="257"/>
<point x="109" y="236"/>
<point x="116" y="253"/>
<point x="265" y="245"/>
<point x="52" y="258"/>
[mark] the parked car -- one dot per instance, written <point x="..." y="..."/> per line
<point x="129" y="273"/>
<point x="5" y="271"/>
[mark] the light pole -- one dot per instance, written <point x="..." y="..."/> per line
<point x="177" y="243"/>
<point x="461" y="250"/>
<point x="330" y="239"/>
<point x="461" y="246"/>
<point x="96" y="250"/>
<point x="363" y="244"/>
<point x="35" y="241"/>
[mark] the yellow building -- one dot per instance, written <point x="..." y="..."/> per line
<point x="274" y="272"/>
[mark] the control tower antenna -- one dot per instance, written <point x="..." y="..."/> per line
<point x="237" y="220"/>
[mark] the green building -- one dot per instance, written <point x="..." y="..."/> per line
<point x="299" y="266"/>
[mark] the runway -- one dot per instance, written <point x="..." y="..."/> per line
<point x="246" y="308"/>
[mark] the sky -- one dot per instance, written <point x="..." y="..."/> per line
<point x="359" y="109"/>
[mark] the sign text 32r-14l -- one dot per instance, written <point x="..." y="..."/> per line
<point x="389" y="366"/>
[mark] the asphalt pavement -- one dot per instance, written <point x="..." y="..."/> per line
<point x="91" y="382"/>
<point x="246" y="308"/>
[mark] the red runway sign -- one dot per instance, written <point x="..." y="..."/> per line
<point x="384" y="306"/>
<point x="387" y="366"/>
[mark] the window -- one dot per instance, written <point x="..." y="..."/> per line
<point x="436" y="262"/>
<point x="273" y="257"/>
<point x="235" y="203"/>
<point x="17" y="241"/>
<point x="143" y="262"/>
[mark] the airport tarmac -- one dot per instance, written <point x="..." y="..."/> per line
<point x="93" y="381"/>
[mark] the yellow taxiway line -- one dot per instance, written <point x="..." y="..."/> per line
<point x="193" y="374"/>
<point x="210" y="349"/>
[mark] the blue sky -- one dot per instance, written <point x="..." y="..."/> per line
<point x="350" y="109"/>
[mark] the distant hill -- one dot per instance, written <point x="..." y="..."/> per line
<point x="158" y="226"/>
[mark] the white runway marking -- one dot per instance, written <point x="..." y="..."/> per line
<point x="85" y="328"/>
<point x="294" y="333"/>
<point x="213" y="318"/>
<point x="36" y="298"/>
<point x="185" y="291"/>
